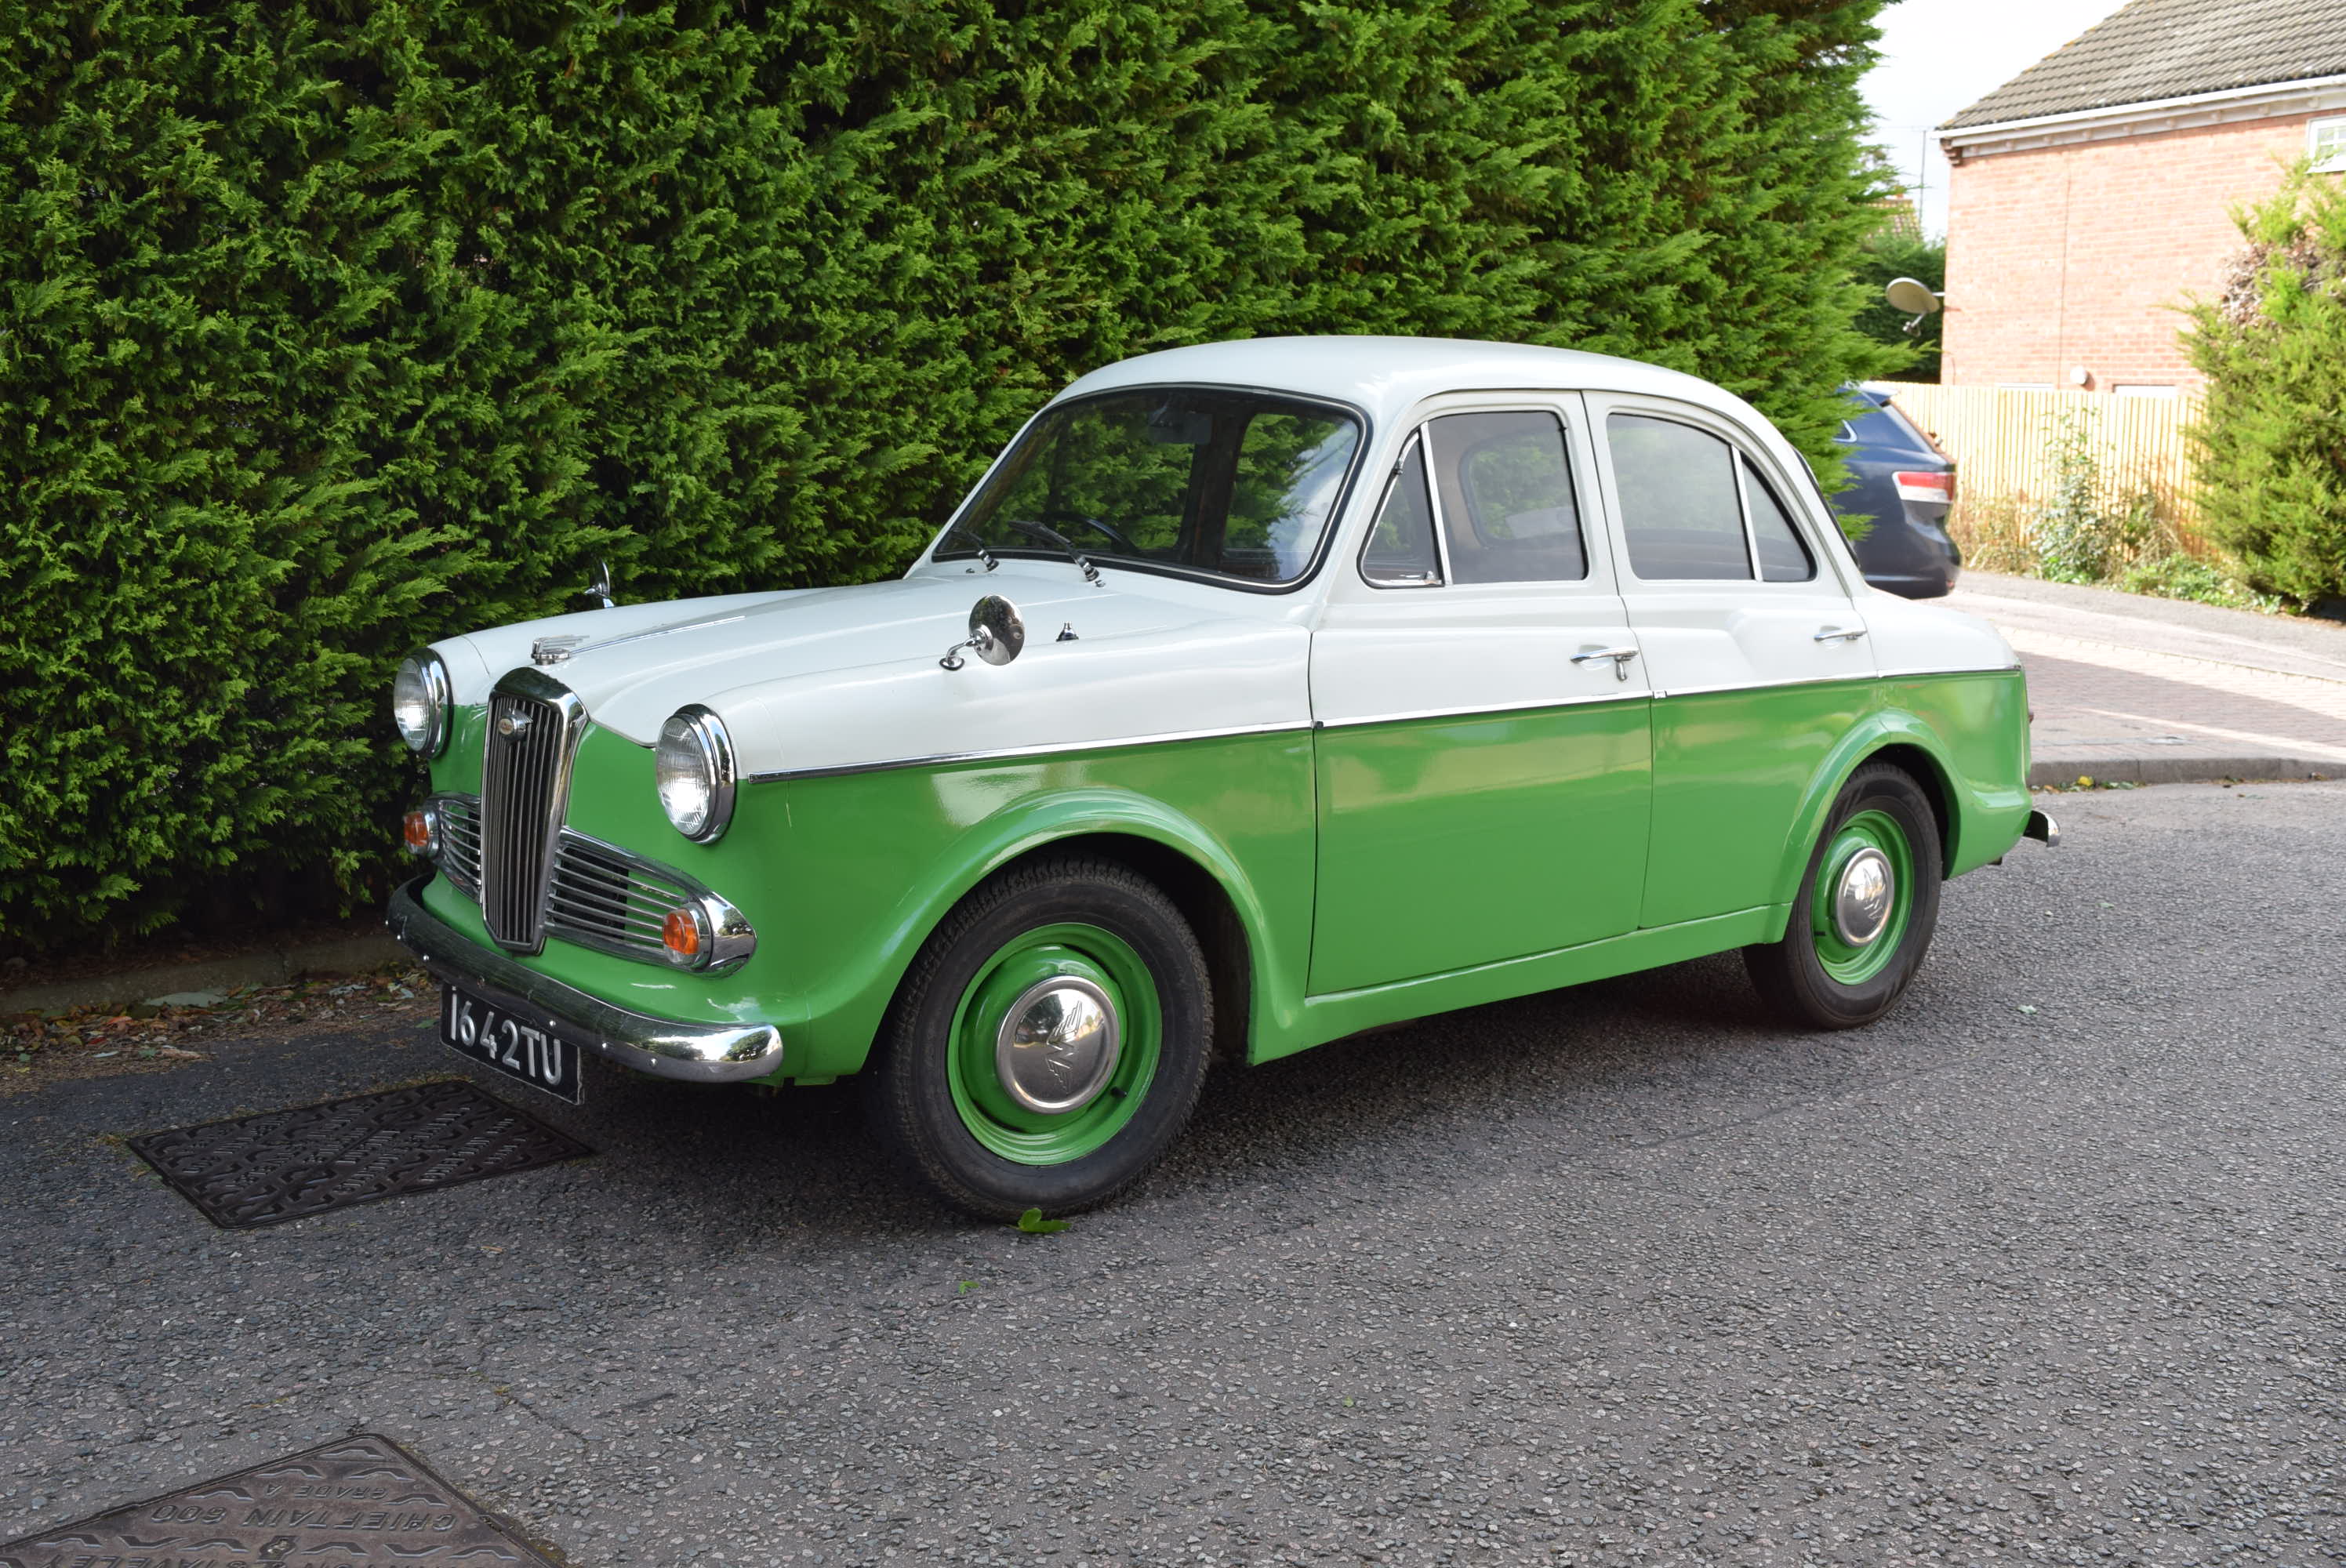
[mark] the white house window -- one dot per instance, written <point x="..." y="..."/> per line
<point x="2325" y="144"/>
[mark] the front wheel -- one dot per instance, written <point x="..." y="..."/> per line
<point x="1865" y="910"/>
<point x="1049" y="1042"/>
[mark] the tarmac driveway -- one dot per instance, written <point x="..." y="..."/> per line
<point x="2049" y="1267"/>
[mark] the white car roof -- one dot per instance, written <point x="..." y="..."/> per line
<point x="1387" y="376"/>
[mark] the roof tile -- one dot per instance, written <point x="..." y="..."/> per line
<point x="2155" y="49"/>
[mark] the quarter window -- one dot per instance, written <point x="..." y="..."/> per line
<point x="1401" y="553"/>
<point x="1508" y="512"/>
<point x="1783" y="558"/>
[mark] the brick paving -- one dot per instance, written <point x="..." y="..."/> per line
<point x="2150" y="692"/>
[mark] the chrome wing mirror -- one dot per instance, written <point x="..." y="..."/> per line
<point x="600" y="588"/>
<point x="995" y="632"/>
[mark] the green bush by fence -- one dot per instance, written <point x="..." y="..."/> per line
<point x="331" y="329"/>
<point x="2271" y="436"/>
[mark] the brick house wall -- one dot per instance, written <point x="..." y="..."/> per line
<point x="2076" y="255"/>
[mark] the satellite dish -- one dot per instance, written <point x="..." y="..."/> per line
<point x="1911" y="297"/>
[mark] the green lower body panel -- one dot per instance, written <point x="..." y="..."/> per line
<point x="1448" y="842"/>
<point x="1730" y="771"/>
<point x="1331" y="1017"/>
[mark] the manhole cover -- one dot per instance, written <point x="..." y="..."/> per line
<point x="284" y="1165"/>
<point x="363" y="1500"/>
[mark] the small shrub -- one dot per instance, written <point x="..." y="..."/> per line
<point x="1992" y="531"/>
<point x="2078" y="537"/>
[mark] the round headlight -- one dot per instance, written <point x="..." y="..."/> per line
<point x="419" y="703"/>
<point x="694" y="768"/>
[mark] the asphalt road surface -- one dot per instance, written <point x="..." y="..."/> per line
<point x="2047" y="1266"/>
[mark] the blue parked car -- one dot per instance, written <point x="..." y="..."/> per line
<point x="1907" y="486"/>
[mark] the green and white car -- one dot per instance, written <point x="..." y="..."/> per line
<point x="1261" y="694"/>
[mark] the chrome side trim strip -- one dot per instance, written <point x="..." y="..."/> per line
<point x="1499" y="710"/>
<point x="1012" y="753"/>
<point x="1980" y="670"/>
<point x="698" y="1053"/>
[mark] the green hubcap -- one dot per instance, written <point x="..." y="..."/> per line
<point x="1864" y="895"/>
<point x="1055" y="1043"/>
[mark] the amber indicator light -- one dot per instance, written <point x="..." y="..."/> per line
<point x="681" y="933"/>
<point x="418" y="832"/>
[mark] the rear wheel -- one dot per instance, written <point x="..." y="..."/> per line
<point x="1049" y="1042"/>
<point x="1865" y="910"/>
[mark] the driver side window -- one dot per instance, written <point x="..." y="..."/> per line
<point x="1500" y="506"/>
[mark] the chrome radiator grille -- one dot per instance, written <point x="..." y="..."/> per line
<point x="604" y="897"/>
<point x="460" y="836"/>
<point x="600" y="896"/>
<point x="525" y="786"/>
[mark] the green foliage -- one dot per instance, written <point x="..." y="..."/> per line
<point x="2084" y="534"/>
<point x="2179" y="576"/>
<point x="1032" y="1224"/>
<point x="333" y="329"/>
<point x="1887" y="254"/>
<point x="2271" y="438"/>
<point x="2078" y="535"/>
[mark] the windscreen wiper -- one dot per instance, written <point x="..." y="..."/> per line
<point x="975" y="544"/>
<point x="1053" y="536"/>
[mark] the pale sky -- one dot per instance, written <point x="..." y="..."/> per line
<point x="1938" y="56"/>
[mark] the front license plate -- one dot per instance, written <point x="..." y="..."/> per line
<point x="517" y="1048"/>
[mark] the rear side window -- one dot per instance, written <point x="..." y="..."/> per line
<point x="1679" y="513"/>
<point x="1508" y="510"/>
<point x="1694" y="508"/>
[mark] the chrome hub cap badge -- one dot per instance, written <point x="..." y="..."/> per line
<point x="1057" y="1046"/>
<point x="1862" y="897"/>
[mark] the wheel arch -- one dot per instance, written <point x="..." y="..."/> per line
<point x="1883" y="737"/>
<point x="1202" y="877"/>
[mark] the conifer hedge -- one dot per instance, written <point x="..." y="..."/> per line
<point x="2270" y="439"/>
<point x="331" y="328"/>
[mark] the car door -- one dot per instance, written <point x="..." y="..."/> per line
<point x="1757" y="655"/>
<point x="1481" y="749"/>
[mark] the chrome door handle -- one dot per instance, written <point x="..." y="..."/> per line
<point x="1836" y="635"/>
<point x="1620" y="657"/>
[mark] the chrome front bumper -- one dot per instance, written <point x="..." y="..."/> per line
<point x="697" y="1052"/>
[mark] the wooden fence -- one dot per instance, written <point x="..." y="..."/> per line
<point x="2003" y="440"/>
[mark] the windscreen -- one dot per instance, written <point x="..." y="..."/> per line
<point x="1237" y="484"/>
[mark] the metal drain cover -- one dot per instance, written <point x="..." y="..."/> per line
<point x="286" y="1164"/>
<point x="363" y="1500"/>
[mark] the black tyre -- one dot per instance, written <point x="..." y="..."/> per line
<point x="1865" y="910"/>
<point x="1049" y="1042"/>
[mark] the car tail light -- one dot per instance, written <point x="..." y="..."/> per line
<point x="1939" y="487"/>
